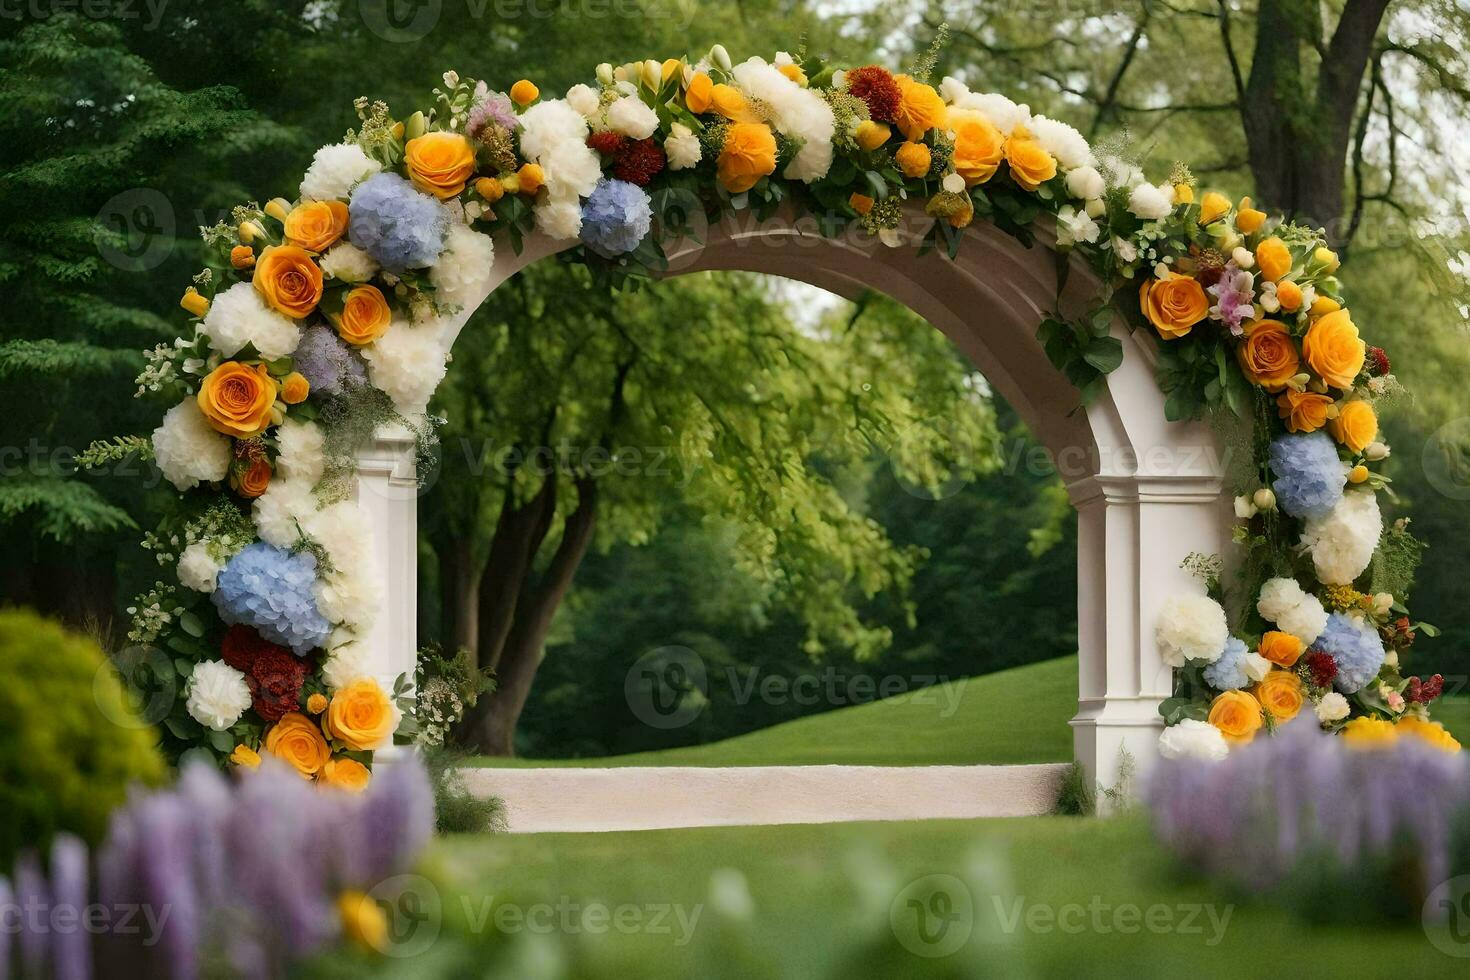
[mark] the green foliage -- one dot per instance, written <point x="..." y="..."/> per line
<point x="69" y="743"/>
<point x="1077" y="798"/>
<point x="456" y="809"/>
<point x="1396" y="560"/>
<point x="60" y="509"/>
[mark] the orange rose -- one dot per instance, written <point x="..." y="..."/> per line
<point x="299" y="742"/>
<point x="440" y="163"/>
<point x="344" y="773"/>
<point x="1237" y="715"/>
<point x="1334" y="350"/>
<point x="236" y="399"/>
<point x="1031" y="166"/>
<point x="242" y="256"/>
<point x="913" y="159"/>
<point x="1280" y="693"/>
<point x="748" y="155"/>
<point x="1304" y="411"/>
<point x="730" y="102"/>
<point x="1356" y="425"/>
<point x="1273" y="258"/>
<point x="1173" y="304"/>
<point x="978" y="147"/>
<point x="1268" y="354"/>
<point x="253" y="480"/>
<point x="360" y="715"/>
<point x="698" y="96"/>
<point x="295" y="388"/>
<point x="316" y="225"/>
<point x="365" y="316"/>
<point x="289" y="280"/>
<point x="920" y="108"/>
<point x="1282" y="649"/>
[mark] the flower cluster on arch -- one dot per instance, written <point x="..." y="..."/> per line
<point x="325" y="315"/>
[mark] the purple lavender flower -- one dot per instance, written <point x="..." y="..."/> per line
<point x="272" y="590"/>
<point x="326" y="361"/>
<point x="1235" y="295"/>
<point x="615" y="217"/>
<point x="494" y="109"/>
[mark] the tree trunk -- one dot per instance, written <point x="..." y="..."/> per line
<point x="459" y="589"/>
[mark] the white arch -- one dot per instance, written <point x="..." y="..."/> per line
<point x="1148" y="492"/>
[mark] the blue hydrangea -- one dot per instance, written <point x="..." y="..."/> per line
<point x="396" y="224"/>
<point x="326" y="361"/>
<point x="615" y="217"/>
<point x="1309" y="474"/>
<point x="1228" y="673"/>
<point x="1355" y="648"/>
<point x="271" y="589"/>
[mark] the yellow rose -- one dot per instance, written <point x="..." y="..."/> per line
<point x="315" y="225"/>
<point x="1237" y="715"/>
<point x="870" y="135"/>
<point x="1173" y="304"/>
<point x="289" y="281"/>
<point x="254" y="479"/>
<point x="1431" y="732"/>
<point x="245" y="757"/>
<point x="1356" y="425"/>
<point x="489" y="188"/>
<point x="729" y="102"/>
<point x="1268" y="355"/>
<point x="1282" y="649"/>
<point x="913" y="159"/>
<point x="363" y="921"/>
<point x="365" y="316"/>
<point x="360" y="715"/>
<point x="1247" y="219"/>
<point x="242" y="256"/>
<point x="1304" y="411"/>
<point x="861" y="203"/>
<point x="1280" y="693"/>
<point x="193" y="302"/>
<point x="1289" y="295"/>
<point x="920" y="108"/>
<point x="1369" y="733"/>
<point x="1273" y="258"/>
<point x="296" y="740"/>
<point x="1212" y="207"/>
<point x="531" y="177"/>
<point x="748" y="155"/>
<point x="295" y="388"/>
<point x="344" y="773"/>
<point x="317" y="703"/>
<point x="236" y="399"/>
<point x="440" y="163"/>
<point x="1031" y="166"/>
<point x="524" y="92"/>
<point x="1334" y="350"/>
<point x="699" y="94"/>
<point x="978" y="147"/>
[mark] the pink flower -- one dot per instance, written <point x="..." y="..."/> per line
<point x="1234" y="297"/>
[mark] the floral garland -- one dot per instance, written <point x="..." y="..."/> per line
<point x="325" y="316"/>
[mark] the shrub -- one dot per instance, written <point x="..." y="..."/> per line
<point x="66" y="755"/>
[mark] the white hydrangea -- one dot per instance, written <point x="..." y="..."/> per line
<point x="559" y="219"/>
<point x="347" y="663"/>
<point x="1085" y="183"/>
<point x="345" y="262"/>
<point x="584" y="99"/>
<point x="281" y="511"/>
<point x="239" y="316"/>
<point x="342" y="531"/>
<point x="682" y="147"/>
<point x="218" y="695"/>
<point x="463" y="269"/>
<point x="632" y="117"/>
<point x="1191" y="627"/>
<point x="302" y="452"/>
<point x="1063" y="142"/>
<point x="335" y="170"/>
<point x="1342" y="543"/>
<point x="798" y="113"/>
<point x="1151" y="202"/>
<point x="1332" y="707"/>
<point x="407" y="363"/>
<point x="1193" y="739"/>
<point x="187" y="449"/>
<point x="1003" y="114"/>
<point x="198" y="569"/>
<point x="1283" y="602"/>
<point x="346" y="596"/>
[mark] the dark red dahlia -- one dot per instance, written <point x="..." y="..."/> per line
<point x="1424" y="691"/>
<point x="638" y="162"/>
<point x="607" y="142"/>
<point x="1321" y="668"/>
<point x="876" y="87"/>
<point x="1378" y="361"/>
<point x="275" y="681"/>
<point x="242" y="645"/>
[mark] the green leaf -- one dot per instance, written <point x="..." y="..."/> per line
<point x="192" y="625"/>
<point x="222" y="741"/>
<point x="1104" y="353"/>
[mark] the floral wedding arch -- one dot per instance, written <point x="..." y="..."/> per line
<point x="1118" y="315"/>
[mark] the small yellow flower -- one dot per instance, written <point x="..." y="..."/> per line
<point x="1359" y="474"/>
<point x="1327" y="258"/>
<point x="363" y="921"/>
<point x="1212" y="207"/>
<point x="1183" y="194"/>
<point x="245" y="757"/>
<point x="913" y="159"/>
<point x="317" y="703"/>
<point x="278" y="208"/>
<point x="861" y="203"/>
<point x="871" y="135"/>
<point x="1369" y="733"/>
<point x="295" y="388"/>
<point x="489" y="188"/>
<point x="524" y="92"/>
<point x="1247" y="219"/>
<point x="531" y="177"/>
<point x="242" y="256"/>
<point x="794" y="73"/>
<point x="193" y="302"/>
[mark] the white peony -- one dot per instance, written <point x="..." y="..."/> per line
<point x="407" y="363"/>
<point x="239" y="316"/>
<point x="1075" y="226"/>
<point x="559" y="219"/>
<point x="554" y="135"/>
<point x="335" y="170"/>
<point x="1256" y="666"/>
<point x="1332" y="707"/>
<point x="346" y="262"/>
<point x="1193" y="739"/>
<point x="682" y="147"/>
<point x="187" y="449"/>
<point x="632" y="117"/>
<point x="1085" y="183"/>
<point x="1342" y="543"/>
<point x="463" y="269"/>
<point x="348" y="662"/>
<point x="1191" y="627"/>
<point x="198" y="569"/>
<point x="1283" y="602"/>
<point x="798" y="113"/>
<point x="1003" y="114"/>
<point x="218" y="695"/>
<point x="302" y="451"/>
<point x="584" y="99"/>
<point x="281" y="511"/>
<point x="346" y="596"/>
<point x="1063" y="142"/>
<point x="1151" y="202"/>
<point x="342" y="531"/>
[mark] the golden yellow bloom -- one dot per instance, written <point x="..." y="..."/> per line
<point x="963" y="217"/>
<point x="524" y="92"/>
<point x="1356" y="425"/>
<point x="531" y="177"/>
<point x="1430" y="731"/>
<point x="861" y="203"/>
<point x="245" y="757"/>
<point x="440" y="163"/>
<point x="1183" y="194"/>
<point x="316" y="703"/>
<point x="1358" y="474"/>
<point x="920" y="108"/>
<point x="289" y="281"/>
<point x="242" y="256"/>
<point x="1237" y="715"/>
<point x="1282" y="649"/>
<point x="295" y="388"/>
<point x="1030" y="164"/>
<point x="1323" y="305"/>
<point x="730" y="102"/>
<point x="978" y="147"/>
<point x="1280" y="693"/>
<point x="1247" y="219"/>
<point x="1268" y="355"/>
<point x="670" y="66"/>
<point x="236" y="399"/>
<point x="1369" y="733"/>
<point x="278" y="208"/>
<point x="698" y="96"/>
<point x="748" y="155"/>
<point x="254" y="480"/>
<point x="1334" y="350"/>
<point x="296" y="740"/>
<point x="1289" y="294"/>
<point x="1173" y="304"/>
<point x="913" y="159"/>
<point x="193" y="302"/>
<point x="360" y="715"/>
<point x="1212" y="207"/>
<point x="1327" y="258"/>
<point x="1304" y="411"/>
<point x="315" y="225"/>
<point x="793" y="72"/>
<point x="489" y="188"/>
<point x="1273" y="259"/>
<point x="250" y="231"/>
<point x="363" y="921"/>
<point x="365" y="316"/>
<point x="345" y="773"/>
<point x="870" y="135"/>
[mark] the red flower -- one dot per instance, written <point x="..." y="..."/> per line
<point x="876" y="87"/>
<point x="637" y="162"/>
<point x="607" y="142"/>
<point x="242" y="645"/>
<point x="1321" y="667"/>
<point x="275" y="681"/>
<point x="1378" y="358"/>
<point x="1424" y="691"/>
